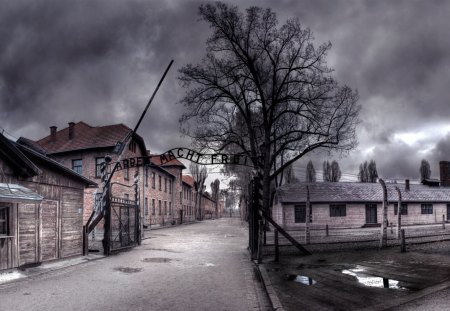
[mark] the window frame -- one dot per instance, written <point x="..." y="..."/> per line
<point x="337" y="208"/>
<point x="98" y="166"/>
<point x="300" y="216"/>
<point x="4" y="220"/>
<point x="403" y="209"/>
<point x="77" y="168"/>
<point x="426" y="209"/>
<point x="153" y="180"/>
<point x="146" y="206"/>
<point x="153" y="207"/>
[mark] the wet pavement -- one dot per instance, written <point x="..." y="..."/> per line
<point x="364" y="279"/>
<point x="202" y="266"/>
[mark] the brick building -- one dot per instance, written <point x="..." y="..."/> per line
<point x="188" y="202"/>
<point x="83" y="148"/>
<point x="173" y="168"/>
<point x="355" y="205"/>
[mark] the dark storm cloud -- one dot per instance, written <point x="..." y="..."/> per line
<point x="99" y="61"/>
<point x="96" y="61"/>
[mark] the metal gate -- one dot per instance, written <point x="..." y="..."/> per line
<point x="124" y="220"/>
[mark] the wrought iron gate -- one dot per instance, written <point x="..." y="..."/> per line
<point x="124" y="220"/>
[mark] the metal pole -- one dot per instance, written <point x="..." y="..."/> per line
<point x="277" y="248"/>
<point x="260" y="237"/>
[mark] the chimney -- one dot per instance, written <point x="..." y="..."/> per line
<point x="407" y="184"/>
<point x="71" y="130"/>
<point x="53" y="133"/>
<point x="444" y="172"/>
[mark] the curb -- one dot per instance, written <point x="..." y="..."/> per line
<point x="42" y="269"/>
<point x="273" y="297"/>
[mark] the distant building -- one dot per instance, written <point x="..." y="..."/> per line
<point x="41" y="207"/>
<point x="353" y="205"/>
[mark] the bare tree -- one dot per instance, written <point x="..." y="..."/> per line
<point x="425" y="171"/>
<point x="363" y="174"/>
<point x="310" y="172"/>
<point x="274" y="83"/>
<point x="326" y="171"/>
<point x="368" y="172"/>
<point x="199" y="174"/>
<point x="335" y="172"/>
<point x="372" y="172"/>
<point x="215" y="187"/>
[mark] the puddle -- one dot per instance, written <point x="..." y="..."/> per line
<point x="367" y="279"/>
<point x="229" y="236"/>
<point x="128" y="269"/>
<point x="306" y="280"/>
<point x="156" y="259"/>
<point x="208" y="264"/>
<point x="162" y="250"/>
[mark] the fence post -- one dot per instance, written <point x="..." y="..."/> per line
<point x="443" y="221"/>
<point x="307" y="220"/>
<point x="277" y="249"/>
<point x="260" y="240"/>
<point x="326" y="230"/>
<point x="403" y="243"/>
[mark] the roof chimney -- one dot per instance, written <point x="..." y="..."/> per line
<point x="71" y="130"/>
<point x="407" y="184"/>
<point x="444" y="172"/>
<point x="53" y="133"/>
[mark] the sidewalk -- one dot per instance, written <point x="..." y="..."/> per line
<point x="361" y="280"/>
<point x="19" y="274"/>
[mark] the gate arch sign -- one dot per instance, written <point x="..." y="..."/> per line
<point x="188" y="154"/>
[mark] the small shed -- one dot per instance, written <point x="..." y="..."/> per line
<point x="41" y="207"/>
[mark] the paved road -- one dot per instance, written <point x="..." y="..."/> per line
<point x="202" y="266"/>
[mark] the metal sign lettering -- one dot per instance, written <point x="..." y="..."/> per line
<point x="188" y="154"/>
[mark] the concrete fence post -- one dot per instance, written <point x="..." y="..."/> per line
<point x="443" y="221"/>
<point x="403" y="242"/>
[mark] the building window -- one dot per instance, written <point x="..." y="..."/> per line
<point x="98" y="166"/>
<point x="300" y="213"/>
<point x="146" y="176"/>
<point x="170" y="186"/>
<point x="153" y="207"/>
<point x="127" y="196"/>
<point x="160" y="183"/>
<point x="146" y="206"/>
<point x="403" y="211"/>
<point x="338" y="210"/>
<point x="132" y="146"/>
<point x="427" y="208"/>
<point x="153" y="180"/>
<point x="165" y="207"/>
<point x="159" y="207"/>
<point x="170" y="208"/>
<point x="165" y="184"/>
<point x="77" y="166"/>
<point x="4" y="220"/>
<point x="126" y="173"/>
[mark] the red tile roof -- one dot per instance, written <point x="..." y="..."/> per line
<point x="188" y="180"/>
<point x="85" y="137"/>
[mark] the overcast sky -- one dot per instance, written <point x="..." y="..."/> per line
<point x="99" y="62"/>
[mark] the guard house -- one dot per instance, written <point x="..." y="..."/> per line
<point x="41" y="207"/>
